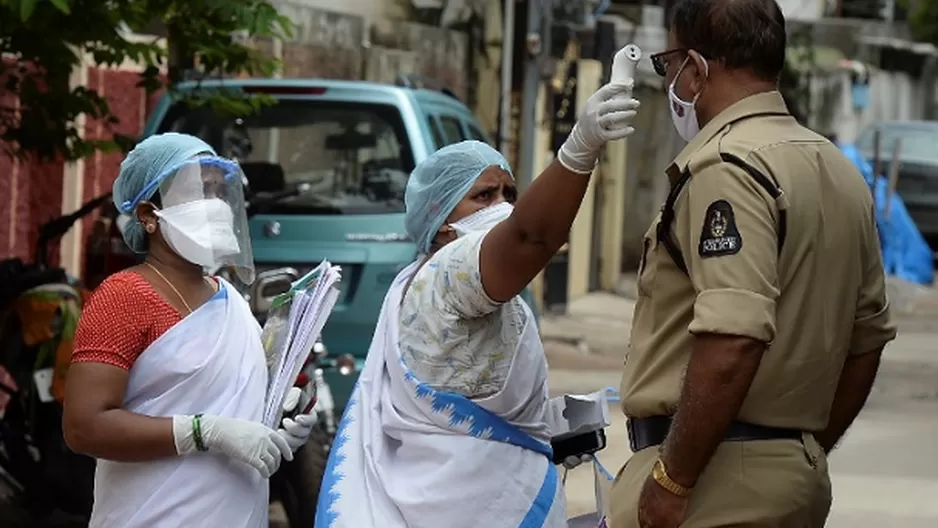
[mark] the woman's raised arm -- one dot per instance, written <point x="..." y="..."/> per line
<point x="516" y="250"/>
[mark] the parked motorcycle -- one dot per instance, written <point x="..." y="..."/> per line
<point x="40" y="307"/>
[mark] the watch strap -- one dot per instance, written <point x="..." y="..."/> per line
<point x="660" y="474"/>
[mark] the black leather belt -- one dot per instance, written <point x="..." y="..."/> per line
<point x="651" y="431"/>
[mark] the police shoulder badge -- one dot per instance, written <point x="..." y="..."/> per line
<point x="719" y="236"/>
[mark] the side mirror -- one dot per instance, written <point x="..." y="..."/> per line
<point x="268" y="285"/>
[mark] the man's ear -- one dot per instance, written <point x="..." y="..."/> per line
<point x="701" y="71"/>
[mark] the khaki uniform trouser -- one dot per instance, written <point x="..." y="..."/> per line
<point x="757" y="484"/>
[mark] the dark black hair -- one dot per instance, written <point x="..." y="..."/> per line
<point x="740" y="34"/>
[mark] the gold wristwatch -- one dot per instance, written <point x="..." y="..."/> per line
<point x="660" y="474"/>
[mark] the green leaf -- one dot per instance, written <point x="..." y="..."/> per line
<point x="200" y="37"/>
<point x="62" y="5"/>
<point x="27" y="7"/>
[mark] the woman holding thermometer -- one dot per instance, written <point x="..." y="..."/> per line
<point x="449" y="424"/>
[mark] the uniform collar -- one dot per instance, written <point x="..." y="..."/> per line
<point x="766" y="103"/>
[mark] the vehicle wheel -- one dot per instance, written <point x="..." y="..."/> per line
<point x="302" y="479"/>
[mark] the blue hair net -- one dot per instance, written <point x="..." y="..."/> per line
<point x="150" y="159"/>
<point x="439" y="182"/>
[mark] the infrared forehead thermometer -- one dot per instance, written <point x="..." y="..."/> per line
<point x="624" y="62"/>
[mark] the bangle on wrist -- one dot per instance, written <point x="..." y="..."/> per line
<point x="660" y="474"/>
<point x="197" y="433"/>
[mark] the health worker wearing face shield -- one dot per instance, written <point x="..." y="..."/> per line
<point x="168" y="378"/>
<point x="447" y="426"/>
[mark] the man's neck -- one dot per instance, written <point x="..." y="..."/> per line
<point x="729" y="92"/>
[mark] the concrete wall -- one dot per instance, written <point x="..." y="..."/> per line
<point x="324" y="44"/>
<point x="893" y="96"/>
<point x="843" y="33"/>
<point x="369" y="9"/>
<point x="437" y="53"/>
<point x="807" y="10"/>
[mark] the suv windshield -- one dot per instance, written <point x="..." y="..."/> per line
<point x="354" y="156"/>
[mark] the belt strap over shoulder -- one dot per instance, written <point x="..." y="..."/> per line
<point x="667" y="212"/>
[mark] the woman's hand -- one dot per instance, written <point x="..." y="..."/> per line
<point x="296" y="431"/>
<point x="250" y="442"/>
<point x="606" y="116"/>
<point x="575" y="461"/>
<point x="516" y="250"/>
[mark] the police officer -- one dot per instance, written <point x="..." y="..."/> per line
<point x="762" y="311"/>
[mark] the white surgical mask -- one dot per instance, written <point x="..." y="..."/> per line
<point x="483" y="219"/>
<point x="683" y="113"/>
<point x="200" y="231"/>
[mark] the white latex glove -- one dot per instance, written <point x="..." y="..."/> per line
<point x="250" y="442"/>
<point x="573" y="461"/>
<point x="605" y="117"/>
<point x="296" y="430"/>
<point x="292" y="399"/>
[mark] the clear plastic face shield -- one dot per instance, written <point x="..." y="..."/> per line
<point x="202" y="215"/>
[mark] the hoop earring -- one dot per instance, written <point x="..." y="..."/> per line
<point x="151" y="228"/>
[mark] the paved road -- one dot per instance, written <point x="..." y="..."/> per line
<point x="885" y="473"/>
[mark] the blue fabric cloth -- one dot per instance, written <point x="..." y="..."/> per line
<point x="439" y="182"/>
<point x="150" y="159"/>
<point x="860" y="94"/>
<point x="905" y="253"/>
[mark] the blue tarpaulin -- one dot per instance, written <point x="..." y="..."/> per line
<point x="906" y="255"/>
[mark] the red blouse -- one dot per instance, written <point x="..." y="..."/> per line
<point x="124" y="316"/>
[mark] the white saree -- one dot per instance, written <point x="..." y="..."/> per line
<point x="407" y="455"/>
<point x="211" y="362"/>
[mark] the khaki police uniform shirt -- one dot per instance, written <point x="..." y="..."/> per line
<point x="819" y="300"/>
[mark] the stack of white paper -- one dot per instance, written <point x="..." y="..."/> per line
<point x="313" y="298"/>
